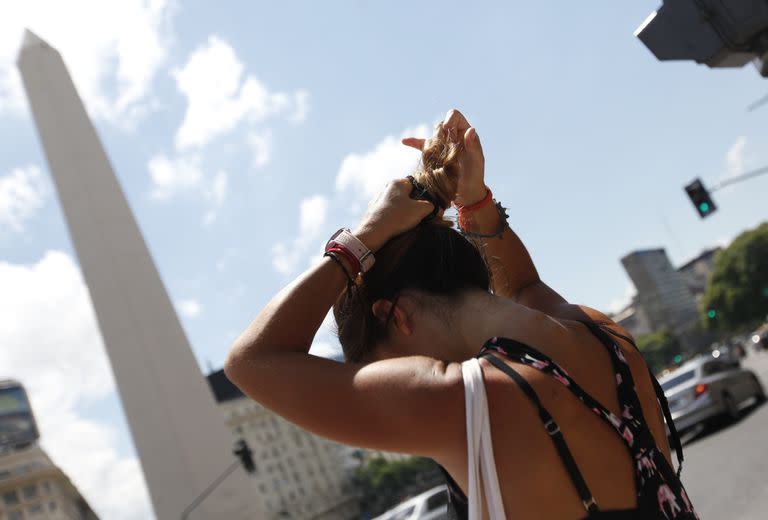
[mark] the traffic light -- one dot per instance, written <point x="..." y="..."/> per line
<point x="245" y="454"/>
<point x="714" y="32"/>
<point x="700" y="198"/>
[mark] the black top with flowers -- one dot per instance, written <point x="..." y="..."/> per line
<point x="660" y="494"/>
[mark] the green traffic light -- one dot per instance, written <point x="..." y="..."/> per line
<point x="704" y="207"/>
<point x="712" y="313"/>
<point x="678" y="358"/>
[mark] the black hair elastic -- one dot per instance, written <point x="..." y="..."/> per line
<point x="419" y="192"/>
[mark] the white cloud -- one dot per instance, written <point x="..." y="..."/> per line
<point x="113" y="50"/>
<point x="735" y="157"/>
<point x="312" y="217"/>
<point x="366" y="174"/>
<point x="302" y="106"/>
<point x="261" y="147"/>
<point x="51" y="343"/>
<point x="22" y="193"/>
<point x="171" y="176"/>
<point x="216" y="195"/>
<point x="219" y="97"/>
<point x="174" y="176"/>
<point x="190" y="308"/>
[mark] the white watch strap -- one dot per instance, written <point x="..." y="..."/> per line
<point x="345" y="238"/>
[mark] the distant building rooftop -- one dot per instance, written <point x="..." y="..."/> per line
<point x="705" y="255"/>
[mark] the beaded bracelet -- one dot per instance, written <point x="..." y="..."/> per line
<point x="333" y="256"/>
<point x="503" y="215"/>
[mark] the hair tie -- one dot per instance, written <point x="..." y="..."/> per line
<point x="419" y="192"/>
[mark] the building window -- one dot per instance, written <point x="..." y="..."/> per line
<point x="52" y="505"/>
<point x="35" y="510"/>
<point x="46" y="487"/>
<point x="29" y="492"/>
<point x="15" y="515"/>
<point x="10" y="498"/>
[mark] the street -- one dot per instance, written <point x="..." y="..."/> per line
<point x="726" y="469"/>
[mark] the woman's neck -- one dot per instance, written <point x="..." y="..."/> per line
<point x="478" y="317"/>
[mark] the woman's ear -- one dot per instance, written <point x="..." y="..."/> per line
<point x="380" y="309"/>
<point x="399" y="318"/>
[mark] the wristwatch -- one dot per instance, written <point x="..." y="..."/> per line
<point x="345" y="239"/>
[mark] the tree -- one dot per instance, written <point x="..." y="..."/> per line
<point x="736" y="296"/>
<point x="384" y="483"/>
<point x="659" y="349"/>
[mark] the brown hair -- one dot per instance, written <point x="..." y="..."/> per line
<point x="432" y="258"/>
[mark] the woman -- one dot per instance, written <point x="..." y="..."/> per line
<point x="575" y="416"/>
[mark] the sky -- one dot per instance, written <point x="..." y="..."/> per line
<point x="244" y="134"/>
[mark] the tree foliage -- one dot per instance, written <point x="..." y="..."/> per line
<point x="659" y="349"/>
<point x="736" y="296"/>
<point x="385" y="483"/>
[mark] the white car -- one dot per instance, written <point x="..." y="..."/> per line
<point x="708" y="388"/>
<point x="430" y="505"/>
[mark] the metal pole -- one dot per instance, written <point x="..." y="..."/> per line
<point x="196" y="502"/>
<point x="762" y="101"/>
<point x="743" y="177"/>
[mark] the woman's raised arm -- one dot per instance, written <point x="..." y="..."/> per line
<point x="512" y="270"/>
<point x="364" y="405"/>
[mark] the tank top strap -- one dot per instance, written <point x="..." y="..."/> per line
<point x="677" y="444"/>
<point x="625" y="384"/>
<point x="625" y="425"/>
<point x="553" y="430"/>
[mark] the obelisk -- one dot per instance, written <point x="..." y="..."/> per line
<point x="179" y="434"/>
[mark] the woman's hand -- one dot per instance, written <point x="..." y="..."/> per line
<point x="391" y="213"/>
<point x="471" y="183"/>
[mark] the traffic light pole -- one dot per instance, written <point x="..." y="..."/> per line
<point x="196" y="502"/>
<point x="739" y="178"/>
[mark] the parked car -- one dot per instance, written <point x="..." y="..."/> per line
<point x="707" y="388"/>
<point x="430" y="505"/>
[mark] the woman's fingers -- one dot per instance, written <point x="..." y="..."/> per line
<point x="455" y="121"/>
<point x="414" y="142"/>
<point x="472" y="142"/>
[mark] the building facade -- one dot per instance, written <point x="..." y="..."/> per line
<point x="32" y="487"/>
<point x="298" y="475"/>
<point x="662" y="293"/>
<point x="696" y="272"/>
<point x="633" y="319"/>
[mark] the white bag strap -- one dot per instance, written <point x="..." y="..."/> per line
<point x="480" y="460"/>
